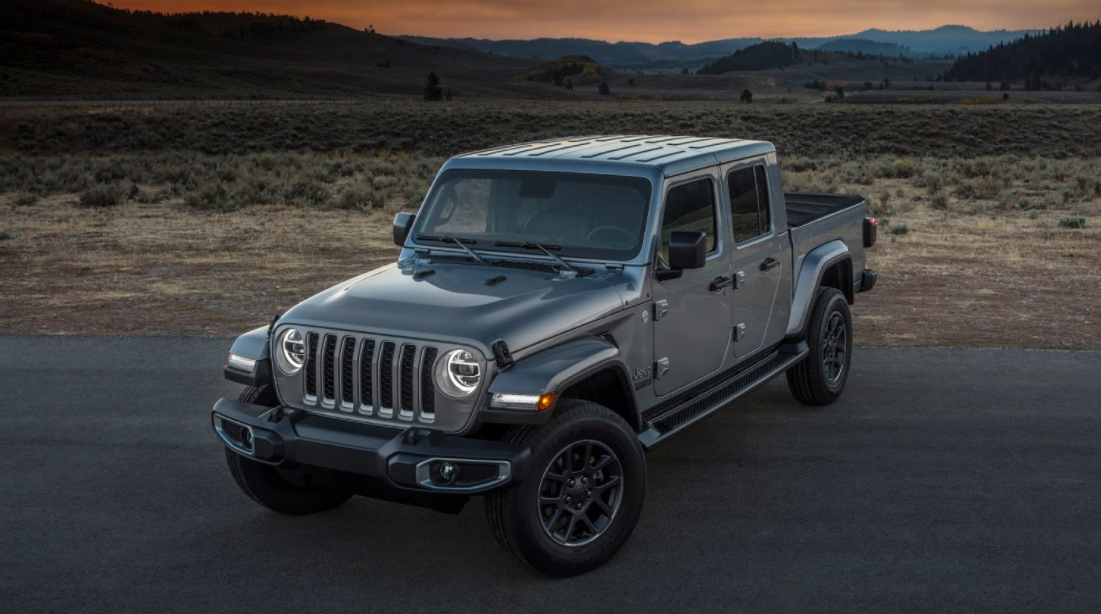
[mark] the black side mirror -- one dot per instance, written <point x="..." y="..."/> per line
<point x="687" y="249"/>
<point x="403" y="223"/>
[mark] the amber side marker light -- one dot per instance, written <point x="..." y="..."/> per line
<point x="545" y="401"/>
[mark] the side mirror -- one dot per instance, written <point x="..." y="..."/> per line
<point x="687" y="249"/>
<point x="403" y="223"/>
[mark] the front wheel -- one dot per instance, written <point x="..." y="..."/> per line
<point x="820" y="378"/>
<point x="583" y="495"/>
<point x="268" y="486"/>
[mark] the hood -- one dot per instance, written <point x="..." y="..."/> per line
<point x="454" y="303"/>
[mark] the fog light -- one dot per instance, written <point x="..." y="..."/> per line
<point x="445" y="473"/>
<point x="246" y="438"/>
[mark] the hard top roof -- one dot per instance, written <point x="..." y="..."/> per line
<point x="670" y="154"/>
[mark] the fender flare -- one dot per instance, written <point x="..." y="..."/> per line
<point x="253" y="345"/>
<point x="814" y="266"/>
<point x="555" y="370"/>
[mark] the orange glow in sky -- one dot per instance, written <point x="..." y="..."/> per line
<point x="689" y="21"/>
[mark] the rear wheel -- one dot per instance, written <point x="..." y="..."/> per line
<point x="583" y="496"/>
<point x="820" y="378"/>
<point x="267" y="485"/>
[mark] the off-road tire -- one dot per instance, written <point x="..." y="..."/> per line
<point x="265" y="484"/>
<point x="514" y="513"/>
<point x="808" y="380"/>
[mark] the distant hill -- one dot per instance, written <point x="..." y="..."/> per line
<point x="1073" y="50"/>
<point x="569" y="70"/>
<point x="945" y="40"/>
<point x="865" y="46"/>
<point x="762" y="56"/>
<point x="78" y="48"/>
<point x="673" y="54"/>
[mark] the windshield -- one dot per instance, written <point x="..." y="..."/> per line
<point x="577" y="215"/>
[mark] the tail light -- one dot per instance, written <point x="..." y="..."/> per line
<point x="871" y="226"/>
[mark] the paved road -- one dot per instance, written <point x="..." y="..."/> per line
<point x="945" y="480"/>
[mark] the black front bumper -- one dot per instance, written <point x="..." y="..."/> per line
<point x="403" y="459"/>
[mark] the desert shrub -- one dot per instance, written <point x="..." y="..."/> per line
<point x="903" y="169"/>
<point x="5" y="236"/>
<point x="307" y="192"/>
<point x="1073" y="222"/>
<point x="108" y="194"/>
<point x="1034" y="216"/>
<point x="899" y="229"/>
<point x="212" y="197"/>
<point x="26" y="200"/>
<point x="939" y="201"/>
<point x="359" y="196"/>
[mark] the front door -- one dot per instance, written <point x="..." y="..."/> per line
<point x="692" y="311"/>
<point x="756" y="259"/>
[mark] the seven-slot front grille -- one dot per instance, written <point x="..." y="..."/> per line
<point x="370" y="376"/>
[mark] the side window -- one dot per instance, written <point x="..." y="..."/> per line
<point x="689" y="206"/>
<point x="749" y="203"/>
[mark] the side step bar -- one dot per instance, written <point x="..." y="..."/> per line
<point x="711" y="400"/>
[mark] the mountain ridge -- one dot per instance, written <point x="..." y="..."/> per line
<point x="944" y="40"/>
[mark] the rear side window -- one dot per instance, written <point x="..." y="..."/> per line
<point x="689" y="206"/>
<point x="749" y="204"/>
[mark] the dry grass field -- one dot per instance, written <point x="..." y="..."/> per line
<point x="158" y="223"/>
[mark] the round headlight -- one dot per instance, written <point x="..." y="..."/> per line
<point x="458" y="374"/>
<point x="291" y="351"/>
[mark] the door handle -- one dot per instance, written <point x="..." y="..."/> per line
<point x="720" y="283"/>
<point x="769" y="264"/>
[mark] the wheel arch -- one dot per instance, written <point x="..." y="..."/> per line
<point x="829" y="265"/>
<point x="589" y="368"/>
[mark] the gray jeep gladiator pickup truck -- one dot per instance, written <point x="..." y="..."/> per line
<point x="558" y="308"/>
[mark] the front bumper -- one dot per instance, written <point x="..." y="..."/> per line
<point x="404" y="459"/>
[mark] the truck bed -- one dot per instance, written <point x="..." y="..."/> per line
<point x="803" y="208"/>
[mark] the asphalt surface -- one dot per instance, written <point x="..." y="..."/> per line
<point x="944" y="480"/>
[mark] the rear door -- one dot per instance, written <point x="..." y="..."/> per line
<point x="756" y="259"/>
<point x="692" y="311"/>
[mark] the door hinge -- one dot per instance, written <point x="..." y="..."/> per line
<point x="739" y="279"/>
<point x="660" y="309"/>
<point x="738" y="332"/>
<point x="661" y="367"/>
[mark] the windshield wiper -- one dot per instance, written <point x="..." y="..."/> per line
<point x="545" y="248"/>
<point x="456" y="241"/>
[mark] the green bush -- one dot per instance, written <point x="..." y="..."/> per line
<point x="1073" y="222"/>
<point x="4" y="236"/>
<point x="900" y="229"/>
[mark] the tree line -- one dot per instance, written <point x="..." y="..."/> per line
<point x="1073" y="50"/>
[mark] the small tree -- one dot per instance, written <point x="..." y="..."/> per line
<point x="604" y="89"/>
<point x="989" y="86"/>
<point x="746" y="97"/>
<point x="432" y="89"/>
<point x="1005" y="97"/>
<point x="684" y="71"/>
<point x="840" y="91"/>
<point x="569" y="84"/>
<point x="631" y="82"/>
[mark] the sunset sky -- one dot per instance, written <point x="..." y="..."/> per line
<point x="689" y="21"/>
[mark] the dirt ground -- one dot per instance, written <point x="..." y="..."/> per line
<point x="951" y="280"/>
